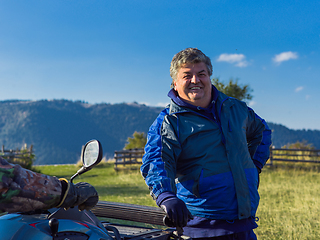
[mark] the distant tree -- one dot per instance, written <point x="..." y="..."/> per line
<point x="24" y="157"/>
<point x="304" y="145"/>
<point x="27" y="158"/>
<point x="138" y="140"/>
<point x="233" y="89"/>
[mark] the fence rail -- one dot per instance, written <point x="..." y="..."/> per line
<point x="128" y="158"/>
<point x="294" y="155"/>
<point x="23" y="157"/>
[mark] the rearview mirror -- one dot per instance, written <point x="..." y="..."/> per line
<point x="91" y="155"/>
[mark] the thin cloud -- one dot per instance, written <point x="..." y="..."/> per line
<point x="237" y="59"/>
<point x="252" y="103"/>
<point x="285" y="56"/>
<point x="298" y="89"/>
<point x="161" y="104"/>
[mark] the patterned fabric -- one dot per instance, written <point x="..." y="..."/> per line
<point x="24" y="190"/>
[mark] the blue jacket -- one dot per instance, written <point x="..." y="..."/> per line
<point x="210" y="162"/>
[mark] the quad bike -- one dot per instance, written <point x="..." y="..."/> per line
<point x="72" y="224"/>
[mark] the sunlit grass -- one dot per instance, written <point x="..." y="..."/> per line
<point x="290" y="203"/>
<point x="289" y="206"/>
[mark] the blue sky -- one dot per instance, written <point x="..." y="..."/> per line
<point x="120" y="51"/>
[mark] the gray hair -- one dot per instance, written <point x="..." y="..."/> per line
<point x="188" y="55"/>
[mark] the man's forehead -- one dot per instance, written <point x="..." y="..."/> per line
<point x="199" y="67"/>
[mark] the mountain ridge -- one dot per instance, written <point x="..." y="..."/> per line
<point x="57" y="129"/>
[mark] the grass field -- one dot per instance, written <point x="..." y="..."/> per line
<point x="289" y="205"/>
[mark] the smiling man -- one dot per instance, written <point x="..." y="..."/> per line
<point x="204" y="154"/>
<point x="193" y="84"/>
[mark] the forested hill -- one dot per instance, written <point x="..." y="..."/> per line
<point x="57" y="129"/>
<point x="282" y="135"/>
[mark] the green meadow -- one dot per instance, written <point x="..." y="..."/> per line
<point x="289" y="205"/>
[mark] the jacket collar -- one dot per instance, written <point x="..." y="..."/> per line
<point x="175" y="97"/>
<point x="217" y="100"/>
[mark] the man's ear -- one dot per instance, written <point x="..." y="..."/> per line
<point x="173" y="85"/>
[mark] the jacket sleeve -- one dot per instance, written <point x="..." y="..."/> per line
<point x="154" y="170"/>
<point x="262" y="152"/>
<point x="259" y="141"/>
<point x="24" y="190"/>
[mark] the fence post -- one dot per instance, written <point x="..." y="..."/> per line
<point x="128" y="158"/>
<point x="271" y="155"/>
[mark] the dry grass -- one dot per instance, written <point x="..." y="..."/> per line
<point x="290" y="203"/>
<point x="289" y="206"/>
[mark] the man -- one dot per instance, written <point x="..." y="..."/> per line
<point x="204" y="154"/>
<point x="24" y="190"/>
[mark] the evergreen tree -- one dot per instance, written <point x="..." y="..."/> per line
<point x="138" y="140"/>
<point x="233" y="89"/>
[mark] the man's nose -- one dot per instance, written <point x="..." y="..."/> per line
<point x="194" y="79"/>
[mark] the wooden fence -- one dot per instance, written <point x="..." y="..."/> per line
<point x="294" y="155"/>
<point x="128" y="158"/>
<point x="133" y="158"/>
<point x="24" y="156"/>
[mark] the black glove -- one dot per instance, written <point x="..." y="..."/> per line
<point x="176" y="210"/>
<point x="80" y="194"/>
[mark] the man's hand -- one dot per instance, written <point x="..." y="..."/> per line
<point x="80" y="194"/>
<point x="176" y="210"/>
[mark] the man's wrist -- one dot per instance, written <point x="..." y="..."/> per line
<point x="164" y="196"/>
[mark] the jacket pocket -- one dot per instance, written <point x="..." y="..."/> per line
<point x="219" y="192"/>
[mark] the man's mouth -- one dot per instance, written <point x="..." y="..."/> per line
<point x="195" y="88"/>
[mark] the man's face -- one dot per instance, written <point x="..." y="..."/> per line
<point x="193" y="84"/>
